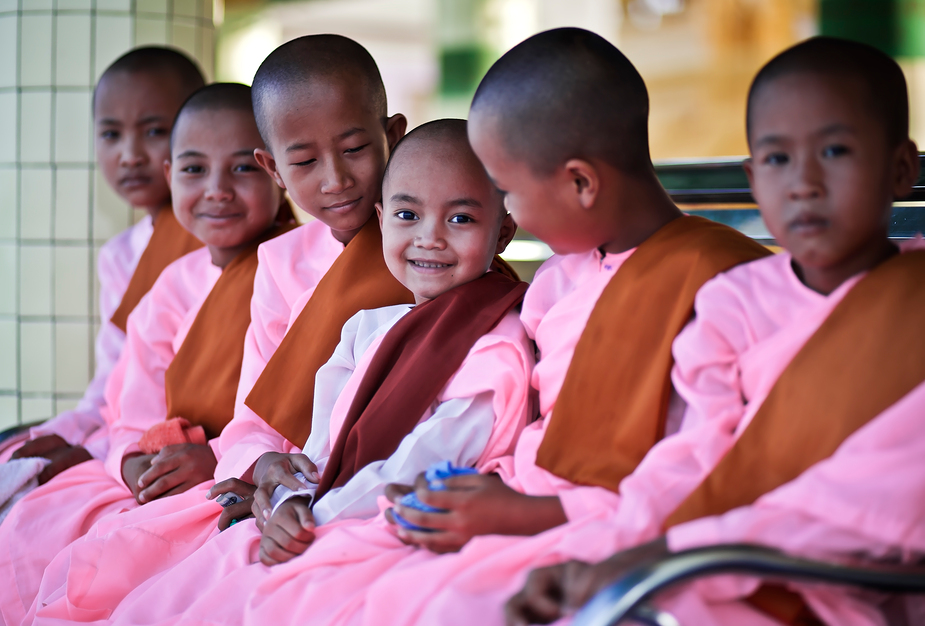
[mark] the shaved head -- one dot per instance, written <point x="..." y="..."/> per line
<point x="166" y="63"/>
<point x="884" y="84"/>
<point x="308" y="62"/>
<point x="567" y="93"/>
<point x="215" y="97"/>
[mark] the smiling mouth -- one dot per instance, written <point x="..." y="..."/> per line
<point x="429" y="265"/>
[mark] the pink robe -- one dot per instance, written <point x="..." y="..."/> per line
<point x="55" y="514"/>
<point x="289" y="269"/>
<point x="495" y="376"/>
<point x="555" y="310"/>
<point x="750" y="322"/>
<point x="84" y="425"/>
<point x="866" y="499"/>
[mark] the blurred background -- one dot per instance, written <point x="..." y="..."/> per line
<point x="696" y="56"/>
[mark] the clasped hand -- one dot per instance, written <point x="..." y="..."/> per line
<point x="274" y="469"/>
<point x="476" y="504"/>
<point x="54" y="448"/>
<point x="175" y="469"/>
<point x="233" y="512"/>
<point x="551" y="593"/>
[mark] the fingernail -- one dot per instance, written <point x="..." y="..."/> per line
<point x="266" y="513"/>
<point x="316" y="476"/>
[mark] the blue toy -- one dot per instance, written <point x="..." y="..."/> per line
<point x="435" y="475"/>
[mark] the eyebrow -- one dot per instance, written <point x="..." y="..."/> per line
<point x="308" y="144"/>
<point x="404" y="197"/>
<point x="831" y="129"/>
<point x="464" y="202"/>
<point x="194" y="153"/>
<point x="150" y="119"/>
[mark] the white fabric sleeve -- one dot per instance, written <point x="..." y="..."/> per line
<point x="457" y="431"/>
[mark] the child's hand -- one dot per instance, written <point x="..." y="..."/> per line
<point x="175" y="469"/>
<point x="41" y="446"/>
<point x="133" y="466"/>
<point x="273" y="469"/>
<point x="62" y="459"/>
<point x="288" y="532"/>
<point x="237" y="511"/>
<point x="476" y="504"/>
<point x="551" y="593"/>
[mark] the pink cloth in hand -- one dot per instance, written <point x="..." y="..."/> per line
<point x="173" y="431"/>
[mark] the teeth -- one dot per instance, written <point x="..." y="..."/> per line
<point x="430" y="265"/>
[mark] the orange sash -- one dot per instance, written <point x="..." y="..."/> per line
<point x="867" y="355"/>
<point x="202" y="380"/>
<point x="168" y="242"/>
<point x="359" y="279"/>
<point x="614" y="401"/>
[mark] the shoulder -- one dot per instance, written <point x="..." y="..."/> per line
<point x="554" y="280"/>
<point x="508" y="335"/>
<point x="123" y="250"/>
<point x="188" y="271"/>
<point x="298" y="259"/>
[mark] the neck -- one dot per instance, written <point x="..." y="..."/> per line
<point x="825" y="280"/>
<point x="155" y="211"/>
<point x="221" y="257"/>
<point x="346" y="236"/>
<point x="642" y="208"/>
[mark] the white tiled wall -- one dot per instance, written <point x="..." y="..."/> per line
<point x="55" y="209"/>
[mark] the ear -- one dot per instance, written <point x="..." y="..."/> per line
<point x="749" y="168"/>
<point x="379" y="213"/>
<point x="584" y="181"/>
<point x="506" y="234"/>
<point x="167" y="171"/>
<point x="395" y="128"/>
<point x="907" y="169"/>
<point x="265" y="160"/>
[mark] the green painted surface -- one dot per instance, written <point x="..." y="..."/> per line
<point x="895" y="26"/>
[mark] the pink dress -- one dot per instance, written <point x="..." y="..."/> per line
<point x="750" y="322"/>
<point x="289" y="268"/>
<point x="84" y="425"/>
<point x="55" y="514"/>
<point x="475" y="419"/>
<point x="555" y="310"/>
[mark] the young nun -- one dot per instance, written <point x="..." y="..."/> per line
<point x="806" y="431"/>
<point x="595" y="317"/>
<point x="134" y="105"/>
<point x="183" y="349"/>
<point x="445" y="380"/>
<point x="320" y="105"/>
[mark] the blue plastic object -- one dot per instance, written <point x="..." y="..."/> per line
<point x="435" y="475"/>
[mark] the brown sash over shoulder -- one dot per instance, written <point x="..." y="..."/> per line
<point x="414" y="362"/>
<point x="169" y="242"/>
<point x="867" y="355"/>
<point x="614" y="401"/>
<point x="359" y="279"/>
<point x="202" y="379"/>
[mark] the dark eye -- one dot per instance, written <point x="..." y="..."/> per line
<point x="193" y="169"/>
<point x="109" y="135"/>
<point x="245" y="167"/>
<point x="406" y="215"/>
<point x="355" y="150"/>
<point x="836" y="150"/>
<point x="157" y="132"/>
<point x="777" y="158"/>
<point x="461" y="219"/>
<point x="304" y="163"/>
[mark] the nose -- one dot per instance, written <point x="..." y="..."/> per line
<point x="430" y="235"/>
<point x="219" y="188"/>
<point x="132" y="153"/>
<point x="337" y="178"/>
<point x="809" y="181"/>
